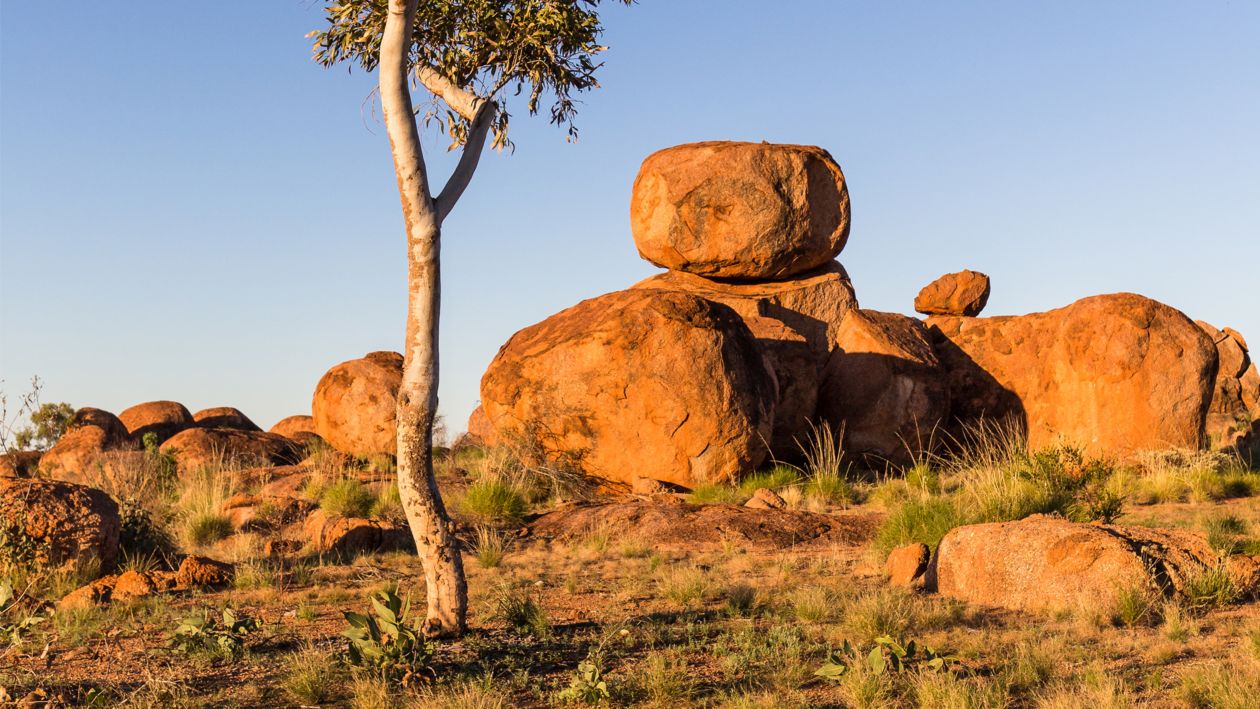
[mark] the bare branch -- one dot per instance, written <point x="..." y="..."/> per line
<point x="462" y="101"/>
<point x="459" y="179"/>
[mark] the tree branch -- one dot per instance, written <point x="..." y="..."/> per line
<point x="462" y="101"/>
<point x="468" y="159"/>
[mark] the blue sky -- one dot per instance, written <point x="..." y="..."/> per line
<point x="191" y="209"/>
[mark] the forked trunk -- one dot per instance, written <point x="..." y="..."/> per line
<point x="417" y="396"/>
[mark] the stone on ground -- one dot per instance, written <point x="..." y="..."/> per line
<point x="57" y="523"/>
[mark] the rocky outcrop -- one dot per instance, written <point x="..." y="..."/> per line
<point x="1234" y="392"/>
<point x="161" y="418"/>
<point x="59" y="523"/>
<point x="201" y="448"/>
<point x="962" y="293"/>
<point x="224" y="417"/>
<point x="1048" y="563"/>
<point x="194" y="573"/>
<point x="795" y="323"/>
<point x="354" y="403"/>
<point x="740" y="210"/>
<point x="77" y="454"/>
<point x="884" y="388"/>
<point x="646" y="383"/>
<point x="1111" y="373"/>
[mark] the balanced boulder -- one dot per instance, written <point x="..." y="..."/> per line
<point x="1048" y="563"/>
<point x="740" y="210"/>
<point x="1234" y="391"/>
<point x="59" y="523"/>
<point x="884" y="388"/>
<point x="1112" y="373"/>
<point x="354" y="404"/>
<point x="224" y="417"/>
<point x="161" y="418"/>
<point x="963" y="293"/>
<point x="636" y="383"/>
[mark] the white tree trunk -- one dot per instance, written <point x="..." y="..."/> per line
<point x="446" y="590"/>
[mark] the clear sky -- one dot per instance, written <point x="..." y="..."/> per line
<point x="191" y="209"/>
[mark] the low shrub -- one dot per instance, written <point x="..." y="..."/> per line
<point x="494" y="502"/>
<point x="346" y="497"/>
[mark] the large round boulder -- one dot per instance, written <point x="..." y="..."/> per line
<point x="211" y="448"/>
<point x="161" y="418"/>
<point x="354" y="404"/>
<point x="962" y="293"/>
<point x="637" y="383"/>
<point x="76" y="456"/>
<point x="58" y="523"/>
<point x="225" y="417"/>
<point x="884" y="388"/>
<point x="740" y="210"/>
<point x="1112" y="373"/>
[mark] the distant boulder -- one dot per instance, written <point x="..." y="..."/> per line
<point x="161" y="418"/>
<point x="77" y="455"/>
<point x="224" y="417"/>
<point x="962" y="293"/>
<point x="20" y="464"/>
<point x="199" y="448"/>
<point x="354" y="402"/>
<point x="740" y="210"/>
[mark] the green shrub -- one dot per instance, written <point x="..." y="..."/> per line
<point x="777" y="478"/>
<point x="387" y="643"/>
<point x="139" y="536"/>
<point x="926" y="521"/>
<point x="491" y="547"/>
<point x="518" y="608"/>
<point x="716" y="494"/>
<point x="1135" y="605"/>
<point x="1227" y="534"/>
<point x="307" y="679"/>
<point x="206" y="634"/>
<point x="207" y="528"/>
<point x="494" y="501"/>
<point x="1209" y="589"/>
<point x="346" y="497"/>
<point x="388" y="505"/>
<point x="831" y="490"/>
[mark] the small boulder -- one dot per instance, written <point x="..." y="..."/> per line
<point x="962" y="293"/>
<point x="198" y="448"/>
<point x="884" y="388"/>
<point x="161" y="418"/>
<point x="347" y="536"/>
<point x="646" y="383"/>
<point x="906" y="565"/>
<point x="740" y="210"/>
<point x="1048" y="563"/>
<point x="64" y="523"/>
<point x="224" y="417"/>
<point x="354" y="402"/>
<point x="766" y="499"/>
<point x="202" y="572"/>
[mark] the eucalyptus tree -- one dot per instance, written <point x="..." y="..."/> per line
<point x="471" y="57"/>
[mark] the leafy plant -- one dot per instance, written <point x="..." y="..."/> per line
<point x="13" y="633"/>
<point x="588" y="685"/>
<point x="885" y="656"/>
<point x="386" y="642"/>
<point x="224" y="637"/>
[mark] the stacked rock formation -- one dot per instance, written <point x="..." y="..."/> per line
<point x="1233" y="419"/>
<point x="697" y="374"/>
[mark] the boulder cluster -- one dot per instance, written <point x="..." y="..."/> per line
<point x="754" y="336"/>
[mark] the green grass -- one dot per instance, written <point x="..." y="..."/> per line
<point x="1209" y="589"/>
<point x="491" y="547"/>
<point x="777" y="478"/>
<point x="716" y="494"/>
<point x="1228" y="535"/>
<point x="926" y="521"/>
<point x="347" y="497"/>
<point x="495" y="502"/>
<point x="207" y="528"/>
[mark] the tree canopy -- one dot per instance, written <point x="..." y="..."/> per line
<point x="545" y="50"/>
